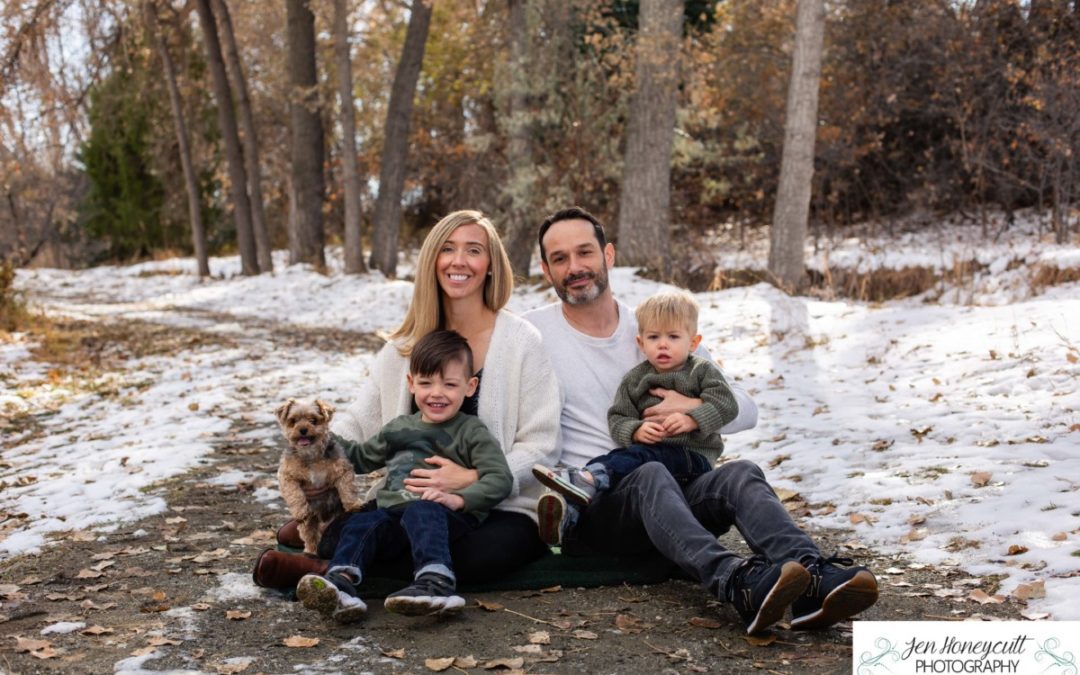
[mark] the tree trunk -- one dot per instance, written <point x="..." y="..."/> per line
<point x="191" y="183"/>
<point x="354" y="248"/>
<point x="234" y="156"/>
<point x="519" y="185"/>
<point x="306" y="236"/>
<point x="645" y="202"/>
<point x="387" y="220"/>
<point x="249" y="138"/>
<point x="788" y="236"/>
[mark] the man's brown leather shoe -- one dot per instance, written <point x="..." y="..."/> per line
<point x="277" y="569"/>
<point x="289" y="535"/>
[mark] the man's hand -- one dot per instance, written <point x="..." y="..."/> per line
<point x="450" y="501"/>
<point x="671" y="402"/>
<point x="679" y="423"/>
<point x="312" y="492"/>
<point x="446" y="476"/>
<point x="649" y="432"/>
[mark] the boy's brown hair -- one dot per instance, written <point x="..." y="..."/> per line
<point x="668" y="308"/>
<point x="431" y="353"/>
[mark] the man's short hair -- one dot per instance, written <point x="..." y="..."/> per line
<point x="667" y="309"/>
<point x="431" y="353"/>
<point x="571" y="213"/>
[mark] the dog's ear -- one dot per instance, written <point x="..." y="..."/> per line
<point x="283" y="411"/>
<point x="326" y="409"/>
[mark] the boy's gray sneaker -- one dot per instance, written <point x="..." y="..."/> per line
<point x="551" y="512"/>
<point x="761" y="591"/>
<point x="429" y="593"/>
<point x="834" y="593"/>
<point x="573" y="486"/>
<point x="334" y="596"/>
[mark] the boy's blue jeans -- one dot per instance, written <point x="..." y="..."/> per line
<point x="683" y="465"/>
<point x="424" y="528"/>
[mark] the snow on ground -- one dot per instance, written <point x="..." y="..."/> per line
<point x="948" y="432"/>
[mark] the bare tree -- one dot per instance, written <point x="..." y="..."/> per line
<point x="234" y="156"/>
<point x="306" y="237"/>
<point x="249" y="138"/>
<point x="788" y="236"/>
<point x="191" y="183"/>
<point x="387" y="220"/>
<point x="518" y="187"/>
<point x="354" y="248"/>
<point x="645" y="201"/>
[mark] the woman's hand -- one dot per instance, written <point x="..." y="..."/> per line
<point x="446" y="476"/>
<point x="450" y="501"/>
<point x="671" y="402"/>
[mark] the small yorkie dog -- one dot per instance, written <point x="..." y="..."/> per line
<point x="313" y="460"/>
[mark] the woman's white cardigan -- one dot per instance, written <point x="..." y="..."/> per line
<point x="520" y="403"/>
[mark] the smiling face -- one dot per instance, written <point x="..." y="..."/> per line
<point x="463" y="261"/>
<point x="667" y="347"/>
<point x="576" y="265"/>
<point x="439" y="395"/>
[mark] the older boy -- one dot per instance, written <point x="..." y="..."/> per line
<point x="440" y="378"/>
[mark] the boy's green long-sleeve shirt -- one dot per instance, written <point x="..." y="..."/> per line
<point x="404" y="443"/>
<point x="698" y="378"/>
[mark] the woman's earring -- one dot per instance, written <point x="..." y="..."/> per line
<point x="489" y="273"/>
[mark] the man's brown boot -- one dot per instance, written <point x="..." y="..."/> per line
<point x="277" y="569"/>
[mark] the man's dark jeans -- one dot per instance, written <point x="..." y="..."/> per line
<point x="424" y="528"/>
<point x="684" y="465"/>
<point x="649" y="510"/>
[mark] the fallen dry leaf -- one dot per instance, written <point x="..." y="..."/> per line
<point x="528" y="649"/>
<point x="1031" y="591"/>
<point x="882" y="445"/>
<point x="981" y="478"/>
<point x="237" y="614"/>
<point x="393" y="653"/>
<point x="584" y="635"/>
<point x="540" y="637"/>
<point x="465" y="662"/>
<point x="551" y="589"/>
<point x="45" y="653"/>
<point x="784" y="494"/>
<point x="513" y="664"/>
<point x="200" y="607"/>
<point x="1017" y="549"/>
<point x="1060" y="536"/>
<point x="704" y="623"/>
<point x="983" y="598"/>
<point x="299" y="641"/>
<point x="489" y="606"/>
<point x="160" y="640"/>
<point x="90" y="604"/>
<point x="857" y="518"/>
<point x="96" y="630"/>
<point x="89" y="574"/>
<point x="1035" y="616"/>
<point x="143" y="651"/>
<point x="8" y="590"/>
<point x="439" y="665"/>
<point x="30" y="645"/>
<point x="761" y="640"/>
<point x="628" y="624"/>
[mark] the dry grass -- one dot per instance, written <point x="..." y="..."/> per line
<point x="1051" y="275"/>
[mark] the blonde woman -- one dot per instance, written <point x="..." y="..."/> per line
<point x="463" y="281"/>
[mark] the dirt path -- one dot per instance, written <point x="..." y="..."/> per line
<point x="173" y="592"/>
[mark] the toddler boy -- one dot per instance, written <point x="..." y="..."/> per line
<point x="688" y="444"/>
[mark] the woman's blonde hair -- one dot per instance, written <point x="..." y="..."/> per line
<point x="668" y="309"/>
<point x="425" y="312"/>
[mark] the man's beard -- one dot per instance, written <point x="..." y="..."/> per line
<point x="592" y="292"/>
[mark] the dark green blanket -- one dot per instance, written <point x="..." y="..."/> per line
<point x="552" y="569"/>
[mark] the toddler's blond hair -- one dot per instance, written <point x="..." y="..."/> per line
<point x="668" y="308"/>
